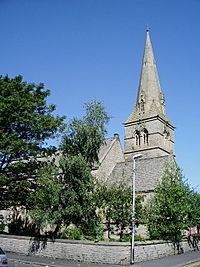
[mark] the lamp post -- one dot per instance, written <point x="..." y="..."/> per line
<point x="133" y="209"/>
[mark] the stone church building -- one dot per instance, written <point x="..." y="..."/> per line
<point x="148" y="131"/>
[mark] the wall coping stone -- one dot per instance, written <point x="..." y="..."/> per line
<point x="85" y="242"/>
<point x="98" y="243"/>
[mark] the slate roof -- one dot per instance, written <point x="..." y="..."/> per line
<point x="104" y="148"/>
<point x="148" y="172"/>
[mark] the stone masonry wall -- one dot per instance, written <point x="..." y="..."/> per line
<point x="86" y="251"/>
<point x="113" y="155"/>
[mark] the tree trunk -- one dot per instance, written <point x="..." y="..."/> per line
<point x="55" y="232"/>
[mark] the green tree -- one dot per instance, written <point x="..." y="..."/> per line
<point x="168" y="210"/>
<point x="73" y="199"/>
<point x="194" y="211"/>
<point x="85" y="136"/>
<point x="26" y="123"/>
<point x="115" y="202"/>
<point x="65" y="197"/>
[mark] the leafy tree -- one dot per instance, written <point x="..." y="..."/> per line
<point x="72" y="201"/>
<point x="47" y="193"/>
<point x="115" y="201"/>
<point x="194" y="211"/>
<point x="66" y="198"/>
<point x="26" y="122"/>
<point x="85" y="136"/>
<point x="168" y="210"/>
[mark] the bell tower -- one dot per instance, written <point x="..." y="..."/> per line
<point x="148" y="130"/>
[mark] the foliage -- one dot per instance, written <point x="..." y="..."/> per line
<point x="26" y="122"/>
<point x="19" y="223"/>
<point x="72" y="234"/>
<point x="66" y="192"/>
<point x="194" y="211"/>
<point x="66" y="198"/>
<point x="46" y="198"/>
<point x="115" y="202"/>
<point x="168" y="210"/>
<point x="2" y="227"/>
<point x="85" y="136"/>
<point x="78" y="190"/>
<point x="94" y="232"/>
<point x="139" y="238"/>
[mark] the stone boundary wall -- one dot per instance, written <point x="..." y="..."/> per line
<point x="150" y="250"/>
<point x="87" y="251"/>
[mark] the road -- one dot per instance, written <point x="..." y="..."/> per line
<point x="20" y="264"/>
<point x="18" y="260"/>
<point x="194" y="264"/>
<point x="189" y="259"/>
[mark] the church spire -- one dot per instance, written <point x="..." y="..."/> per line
<point x="148" y="129"/>
<point x="150" y="99"/>
<point x="149" y="86"/>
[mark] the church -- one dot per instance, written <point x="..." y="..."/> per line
<point x="148" y="132"/>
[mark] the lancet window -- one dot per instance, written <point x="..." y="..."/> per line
<point x="166" y="132"/>
<point x="146" y="136"/>
<point x="137" y="138"/>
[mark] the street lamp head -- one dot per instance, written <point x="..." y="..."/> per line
<point x="137" y="156"/>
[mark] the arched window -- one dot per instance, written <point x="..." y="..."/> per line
<point x="166" y="132"/>
<point x="146" y="136"/>
<point x="137" y="138"/>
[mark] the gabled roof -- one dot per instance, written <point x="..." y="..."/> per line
<point x="106" y="148"/>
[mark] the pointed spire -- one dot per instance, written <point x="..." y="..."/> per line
<point x="149" y="86"/>
<point x="149" y="91"/>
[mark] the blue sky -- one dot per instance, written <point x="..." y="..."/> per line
<point x="92" y="49"/>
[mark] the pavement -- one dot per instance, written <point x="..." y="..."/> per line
<point x="51" y="262"/>
<point x="186" y="259"/>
